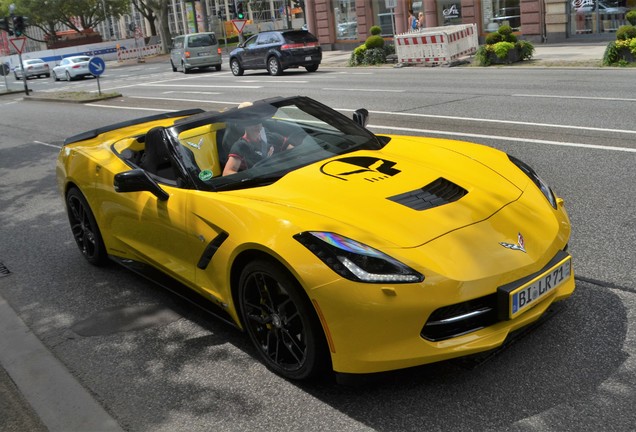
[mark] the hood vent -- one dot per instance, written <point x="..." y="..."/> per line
<point x="438" y="193"/>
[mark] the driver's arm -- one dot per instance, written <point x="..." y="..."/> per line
<point x="232" y="166"/>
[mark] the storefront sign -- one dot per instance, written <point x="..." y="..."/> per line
<point x="450" y="11"/>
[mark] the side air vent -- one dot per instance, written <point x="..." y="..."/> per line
<point x="438" y="193"/>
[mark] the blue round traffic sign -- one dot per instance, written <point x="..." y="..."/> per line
<point x="96" y="66"/>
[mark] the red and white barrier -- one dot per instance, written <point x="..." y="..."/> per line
<point x="437" y="45"/>
<point x="135" y="53"/>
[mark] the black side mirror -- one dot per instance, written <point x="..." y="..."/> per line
<point x="361" y="116"/>
<point x="138" y="180"/>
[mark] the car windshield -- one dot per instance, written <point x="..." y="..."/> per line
<point x="202" y="40"/>
<point x="80" y="59"/>
<point x="300" y="131"/>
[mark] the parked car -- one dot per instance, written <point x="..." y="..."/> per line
<point x="32" y="68"/>
<point x="276" y="51"/>
<point x="71" y="68"/>
<point x="345" y="250"/>
<point x="196" y="50"/>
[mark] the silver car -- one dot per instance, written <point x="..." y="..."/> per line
<point x="32" y="68"/>
<point x="71" y="68"/>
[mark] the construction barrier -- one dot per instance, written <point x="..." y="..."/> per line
<point x="136" y="53"/>
<point x="437" y="45"/>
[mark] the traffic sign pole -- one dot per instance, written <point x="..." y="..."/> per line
<point x="24" y="75"/>
<point x="18" y="44"/>
<point x="96" y="66"/>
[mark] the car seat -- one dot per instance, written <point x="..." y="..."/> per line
<point x="156" y="158"/>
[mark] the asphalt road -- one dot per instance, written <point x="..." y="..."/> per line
<point x="152" y="362"/>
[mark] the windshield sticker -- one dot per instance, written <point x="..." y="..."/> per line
<point x="205" y="175"/>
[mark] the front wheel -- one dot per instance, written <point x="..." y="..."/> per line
<point x="84" y="228"/>
<point x="236" y="68"/>
<point x="273" y="66"/>
<point x="281" y="322"/>
<point x="55" y="77"/>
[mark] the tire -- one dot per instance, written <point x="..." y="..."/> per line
<point x="174" y="68"/>
<point x="236" y="68"/>
<point x="312" y="68"/>
<point x="16" y="76"/>
<point x="281" y="322"/>
<point x="55" y="77"/>
<point x="186" y="70"/>
<point x="84" y="228"/>
<point x="273" y="66"/>
<point x="217" y="67"/>
<point x="48" y="75"/>
<point x="68" y="76"/>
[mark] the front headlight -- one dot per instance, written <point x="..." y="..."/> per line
<point x="356" y="261"/>
<point x="543" y="186"/>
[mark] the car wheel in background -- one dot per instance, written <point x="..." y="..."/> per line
<point x="84" y="228"/>
<point x="68" y="76"/>
<point x="185" y="69"/>
<point x="55" y="77"/>
<point x="16" y="76"/>
<point x="312" y="68"/>
<point x="236" y="68"/>
<point x="218" y="67"/>
<point x="280" y="321"/>
<point x="174" y="68"/>
<point x="273" y="66"/>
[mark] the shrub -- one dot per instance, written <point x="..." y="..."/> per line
<point x="493" y="38"/>
<point x="626" y="32"/>
<point x="501" y="49"/>
<point x="631" y="17"/>
<point x="526" y="49"/>
<point x="505" y="30"/>
<point x="357" y="56"/>
<point x="375" y="30"/>
<point x="374" y="56"/>
<point x="374" y="41"/>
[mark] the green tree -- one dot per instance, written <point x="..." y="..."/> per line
<point x="147" y="12"/>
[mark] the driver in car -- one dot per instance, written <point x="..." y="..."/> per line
<point x="255" y="145"/>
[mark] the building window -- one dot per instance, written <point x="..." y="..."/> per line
<point x="345" y="18"/>
<point x="496" y="13"/>
<point x="596" y="16"/>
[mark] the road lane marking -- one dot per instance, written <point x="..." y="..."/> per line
<point x="576" y="97"/>
<point x="504" y="138"/>
<point x="201" y="86"/>
<point x="481" y="120"/>
<point x="363" y="90"/>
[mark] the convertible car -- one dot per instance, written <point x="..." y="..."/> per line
<point x="346" y="251"/>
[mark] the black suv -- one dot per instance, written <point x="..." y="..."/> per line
<point x="276" y="51"/>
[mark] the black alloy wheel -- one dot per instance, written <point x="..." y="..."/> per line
<point x="84" y="228"/>
<point x="281" y="322"/>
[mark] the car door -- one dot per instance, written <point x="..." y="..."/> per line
<point x="248" y="59"/>
<point x="263" y="45"/>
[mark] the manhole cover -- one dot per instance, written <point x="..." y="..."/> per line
<point x="4" y="271"/>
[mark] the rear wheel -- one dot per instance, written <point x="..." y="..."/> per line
<point x="68" y="76"/>
<point x="186" y="70"/>
<point x="281" y="321"/>
<point x="16" y="76"/>
<point x="174" y="68"/>
<point x="273" y="66"/>
<point x="312" y="68"/>
<point x="218" y="67"/>
<point x="236" y="68"/>
<point x="84" y="228"/>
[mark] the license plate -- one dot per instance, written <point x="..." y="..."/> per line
<point x="528" y="295"/>
<point x="201" y="54"/>
<point x="307" y="58"/>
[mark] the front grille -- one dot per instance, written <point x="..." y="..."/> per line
<point x="455" y="320"/>
<point x="437" y="193"/>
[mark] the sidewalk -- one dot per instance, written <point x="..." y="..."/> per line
<point x="570" y="54"/>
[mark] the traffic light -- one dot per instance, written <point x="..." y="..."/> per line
<point x="239" y="10"/>
<point x="5" y="25"/>
<point x="232" y="10"/>
<point x="19" y="23"/>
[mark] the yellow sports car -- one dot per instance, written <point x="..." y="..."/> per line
<point x="333" y="248"/>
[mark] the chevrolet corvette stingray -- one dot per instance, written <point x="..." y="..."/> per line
<point x="344" y="251"/>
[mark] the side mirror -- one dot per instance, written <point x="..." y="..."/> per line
<point x="361" y="116"/>
<point x="138" y="180"/>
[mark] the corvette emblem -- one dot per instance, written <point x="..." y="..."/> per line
<point x="196" y="146"/>
<point x="520" y="246"/>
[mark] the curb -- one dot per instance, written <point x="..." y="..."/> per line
<point x="56" y="397"/>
